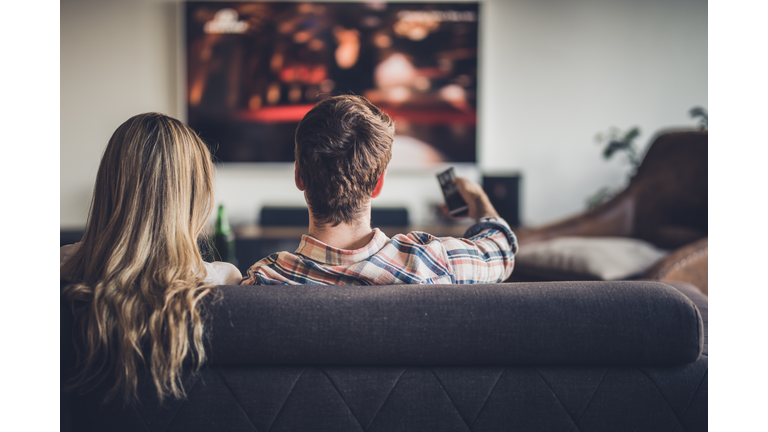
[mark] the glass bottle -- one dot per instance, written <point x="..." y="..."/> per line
<point x="223" y="239"/>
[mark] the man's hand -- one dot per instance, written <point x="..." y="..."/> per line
<point x="478" y="204"/>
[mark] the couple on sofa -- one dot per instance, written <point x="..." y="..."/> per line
<point x="136" y="280"/>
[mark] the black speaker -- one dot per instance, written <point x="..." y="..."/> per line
<point x="299" y="216"/>
<point x="284" y="216"/>
<point x="504" y="193"/>
<point x="389" y="217"/>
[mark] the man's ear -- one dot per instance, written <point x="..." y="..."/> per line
<point x="379" y="185"/>
<point x="297" y="177"/>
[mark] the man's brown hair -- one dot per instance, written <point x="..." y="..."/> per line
<point x="343" y="145"/>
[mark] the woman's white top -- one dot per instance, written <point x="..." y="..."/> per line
<point x="217" y="273"/>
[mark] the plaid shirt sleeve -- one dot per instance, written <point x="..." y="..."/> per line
<point x="486" y="254"/>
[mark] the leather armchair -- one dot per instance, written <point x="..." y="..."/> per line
<point x="664" y="204"/>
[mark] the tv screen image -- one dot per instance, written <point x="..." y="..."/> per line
<point x="254" y="69"/>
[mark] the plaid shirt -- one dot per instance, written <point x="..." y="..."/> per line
<point x="486" y="255"/>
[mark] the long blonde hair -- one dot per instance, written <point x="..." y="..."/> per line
<point x="137" y="277"/>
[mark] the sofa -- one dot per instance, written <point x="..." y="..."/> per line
<point x="665" y="206"/>
<point x="531" y="356"/>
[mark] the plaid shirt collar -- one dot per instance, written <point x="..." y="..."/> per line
<point x="320" y="252"/>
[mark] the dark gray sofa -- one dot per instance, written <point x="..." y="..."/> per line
<point x="549" y="356"/>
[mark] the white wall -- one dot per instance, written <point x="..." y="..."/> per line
<point x="554" y="73"/>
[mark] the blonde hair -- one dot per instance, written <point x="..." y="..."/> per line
<point x="137" y="277"/>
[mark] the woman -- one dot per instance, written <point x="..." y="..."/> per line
<point x="137" y="278"/>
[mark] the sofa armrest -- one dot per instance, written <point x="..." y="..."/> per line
<point x="687" y="264"/>
<point x="614" y="218"/>
<point x="702" y="304"/>
<point x="549" y="323"/>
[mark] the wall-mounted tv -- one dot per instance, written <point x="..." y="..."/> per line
<point x="255" y="68"/>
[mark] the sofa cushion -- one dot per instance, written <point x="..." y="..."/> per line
<point x="552" y="323"/>
<point x="587" y="258"/>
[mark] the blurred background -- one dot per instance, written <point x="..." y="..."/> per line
<point x="550" y="75"/>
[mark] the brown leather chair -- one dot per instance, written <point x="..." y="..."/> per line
<point x="664" y="204"/>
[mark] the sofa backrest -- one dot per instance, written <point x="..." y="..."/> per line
<point x="569" y="323"/>
<point x="532" y="323"/>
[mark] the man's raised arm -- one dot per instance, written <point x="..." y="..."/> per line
<point x="487" y="252"/>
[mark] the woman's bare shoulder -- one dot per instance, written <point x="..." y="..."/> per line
<point x="222" y="273"/>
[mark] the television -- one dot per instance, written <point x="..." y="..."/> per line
<point x="254" y="69"/>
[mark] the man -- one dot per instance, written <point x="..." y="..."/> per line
<point x="343" y="146"/>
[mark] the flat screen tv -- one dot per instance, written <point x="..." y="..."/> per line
<point x="255" y="68"/>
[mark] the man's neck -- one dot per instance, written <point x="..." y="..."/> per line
<point x="348" y="236"/>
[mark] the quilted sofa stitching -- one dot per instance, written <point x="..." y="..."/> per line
<point x="141" y="419"/>
<point x="197" y="377"/>
<point x="695" y="393"/>
<point x="488" y="396"/>
<point x="342" y="398"/>
<point x="239" y="405"/>
<point x="558" y="399"/>
<point x="397" y="381"/>
<point x="679" y="422"/>
<point x="589" y="402"/>
<point x="286" y="399"/>
<point x="450" y="399"/>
